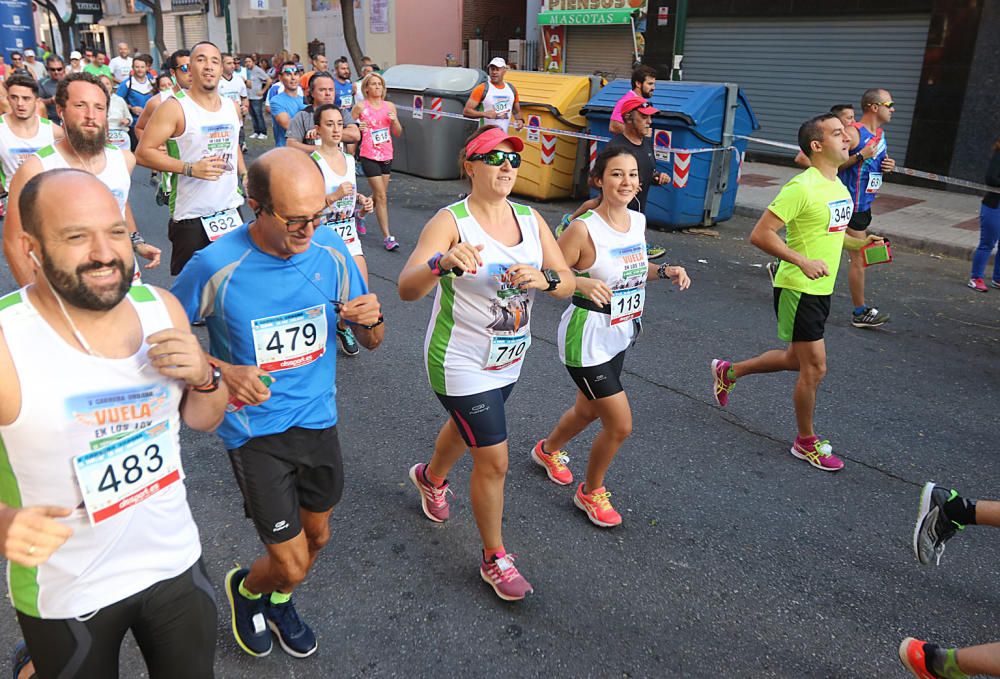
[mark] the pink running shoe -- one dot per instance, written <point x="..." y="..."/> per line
<point x="723" y="385"/>
<point x="359" y="224"/>
<point x="433" y="500"/>
<point x="819" y="454"/>
<point x="501" y="574"/>
<point x="979" y="285"/>
<point x="554" y="464"/>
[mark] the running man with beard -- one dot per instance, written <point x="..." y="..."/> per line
<point x="83" y="106"/>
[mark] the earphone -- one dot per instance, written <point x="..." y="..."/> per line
<point x="31" y="253"/>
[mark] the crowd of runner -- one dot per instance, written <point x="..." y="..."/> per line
<point x="97" y="530"/>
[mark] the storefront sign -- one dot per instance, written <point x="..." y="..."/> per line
<point x="554" y="41"/>
<point x="589" y="12"/>
<point x="378" y="18"/>
<point x="88" y="11"/>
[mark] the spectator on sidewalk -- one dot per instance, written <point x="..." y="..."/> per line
<point x="989" y="228"/>
<point x="643" y="86"/>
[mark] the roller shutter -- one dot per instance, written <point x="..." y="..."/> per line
<point x="607" y="49"/>
<point x="793" y="69"/>
<point x="193" y="29"/>
<point x="134" y="34"/>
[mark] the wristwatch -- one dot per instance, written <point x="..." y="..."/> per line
<point x="434" y="264"/>
<point x="552" y="277"/>
<point x="212" y="384"/>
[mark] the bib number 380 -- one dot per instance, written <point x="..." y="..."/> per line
<point x="128" y="471"/>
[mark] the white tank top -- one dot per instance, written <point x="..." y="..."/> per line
<point x="479" y="330"/>
<point x="587" y="338"/>
<point x="342" y="220"/>
<point x="61" y="418"/>
<point x="14" y="149"/>
<point x="206" y="133"/>
<point x="115" y="174"/>
<point x="499" y="100"/>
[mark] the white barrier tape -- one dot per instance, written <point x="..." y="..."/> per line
<point x="566" y="133"/>
<point x="910" y="172"/>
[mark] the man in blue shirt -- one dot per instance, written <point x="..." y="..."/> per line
<point x="270" y="293"/>
<point x="136" y="90"/>
<point x="286" y="103"/>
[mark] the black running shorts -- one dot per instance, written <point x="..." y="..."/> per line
<point x="481" y="418"/>
<point x="600" y="381"/>
<point x="173" y="622"/>
<point x="801" y="316"/>
<point x="281" y="473"/>
<point x="860" y="221"/>
<point x="376" y="168"/>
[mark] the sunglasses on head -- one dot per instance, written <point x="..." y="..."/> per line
<point x="288" y="71"/>
<point x="496" y="158"/>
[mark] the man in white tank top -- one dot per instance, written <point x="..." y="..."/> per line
<point x="495" y="102"/>
<point x="200" y="130"/>
<point x="94" y="518"/>
<point x="22" y="131"/>
<point x="82" y="103"/>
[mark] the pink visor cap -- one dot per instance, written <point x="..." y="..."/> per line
<point x="488" y="141"/>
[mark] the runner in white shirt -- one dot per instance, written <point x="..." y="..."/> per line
<point x="233" y="86"/>
<point x="121" y="65"/>
<point x="22" y="131"/>
<point x="95" y="522"/>
<point x="82" y="103"/>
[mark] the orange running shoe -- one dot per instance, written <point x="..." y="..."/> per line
<point x="598" y="507"/>
<point x="554" y="464"/>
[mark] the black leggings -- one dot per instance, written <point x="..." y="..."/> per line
<point x="174" y="623"/>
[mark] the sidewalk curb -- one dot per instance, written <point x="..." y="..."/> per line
<point x="921" y="245"/>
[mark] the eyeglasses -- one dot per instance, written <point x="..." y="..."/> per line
<point x="496" y="158"/>
<point x="184" y="68"/>
<point x="887" y="104"/>
<point x="293" y="225"/>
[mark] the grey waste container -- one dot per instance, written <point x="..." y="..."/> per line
<point x="430" y="144"/>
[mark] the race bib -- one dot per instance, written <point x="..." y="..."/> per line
<point x="128" y="471"/>
<point x="344" y="229"/>
<point x="627" y="304"/>
<point x="502" y="105"/>
<point x="507" y="350"/>
<point x="874" y="182"/>
<point x="220" y="223"/>
<point x="347" y="101"/>
<point x="119" y="139"/>
<point x="290" y="340"/>
<point x="840" y="215"/>
<point x="380" y="135"/>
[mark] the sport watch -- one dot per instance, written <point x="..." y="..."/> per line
<point x="212" y="384"/>
<point x="552" y="278"/>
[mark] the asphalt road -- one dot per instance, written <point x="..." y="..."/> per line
<point x="734" y="559"/>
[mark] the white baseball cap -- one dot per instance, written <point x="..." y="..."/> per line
<point x="75" y="55"/>
<point x="498" y="62"/>
<point x="29" y="53"/>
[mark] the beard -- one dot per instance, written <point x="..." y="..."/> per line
<point x="72" y="288"/>
<point x="84" y="143"/>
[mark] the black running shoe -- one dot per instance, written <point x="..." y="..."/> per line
<point x="247" y="616"/>
<point x="869" y="318"/>
<point x="294" y="635"/>
<point x="348" y="344"/>
<point x="933" y="528"/>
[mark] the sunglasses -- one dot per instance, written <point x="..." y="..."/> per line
<point x="54" y="69"/>
<point x="288" y="71"/>
<point x="496" y="158"/>
<point x="887" y="104"/>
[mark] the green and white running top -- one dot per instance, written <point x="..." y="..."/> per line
<point x="206" y="133"/>
<point x="479" y="331"/>
<point x="73" y="404"/>
<point x="588" y="338"/>
<point x="115" y="174"/>
<point x="14" y="149"/>
<point x="342" y="211"/>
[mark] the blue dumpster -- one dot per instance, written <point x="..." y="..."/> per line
<point x="692" y="115"/>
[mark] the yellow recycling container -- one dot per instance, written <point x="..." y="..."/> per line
<point x="548" y="163"/>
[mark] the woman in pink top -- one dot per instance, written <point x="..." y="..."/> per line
<point x="378" y="121"/>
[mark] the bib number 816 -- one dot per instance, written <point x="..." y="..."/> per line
<point x="132" y="469"/>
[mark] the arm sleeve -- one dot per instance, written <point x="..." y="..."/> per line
<point x="122" y="89"/>
<point x="616" y="112"/>
<point x="477" y="93"/>
<point x="789" y="202"/>
<point x="189" y="285"/>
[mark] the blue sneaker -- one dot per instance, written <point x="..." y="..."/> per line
<point x="293" y="634"/>
<point x="247" y="615"/>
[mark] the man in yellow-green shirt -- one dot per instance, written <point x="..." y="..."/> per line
<point x="816" y="208"/>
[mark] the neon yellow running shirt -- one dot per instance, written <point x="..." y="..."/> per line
<point x="816" y="211"/>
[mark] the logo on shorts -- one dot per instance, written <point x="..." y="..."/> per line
<point x="281" y="525"/>
<point x="478" y="408"/>
<point x="600" y="378"/>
